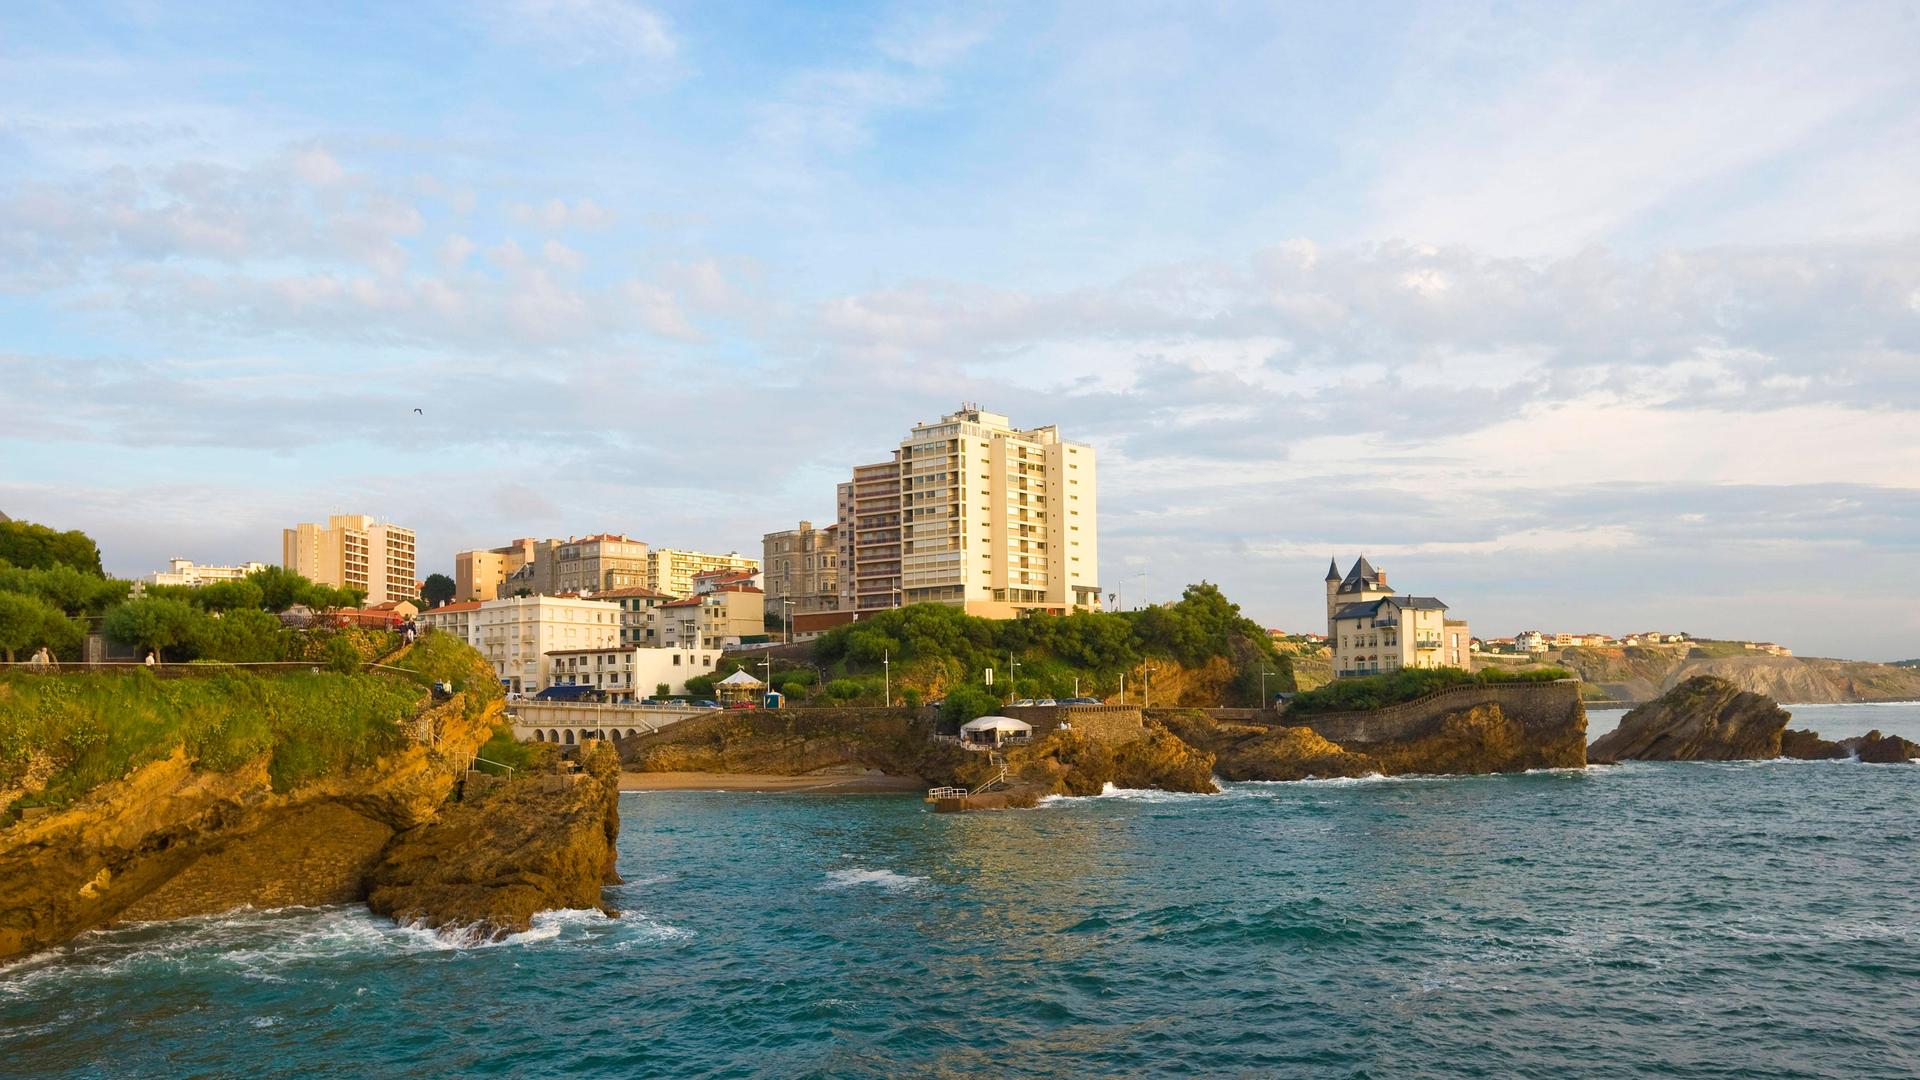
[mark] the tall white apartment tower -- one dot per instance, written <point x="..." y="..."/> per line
<point x="996" y="519"/>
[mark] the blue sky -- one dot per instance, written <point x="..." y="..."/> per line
<point x="1600" y="317"/>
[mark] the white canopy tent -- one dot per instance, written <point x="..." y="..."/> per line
<point x="995" y="730"/>
<point x="737" y="687"/>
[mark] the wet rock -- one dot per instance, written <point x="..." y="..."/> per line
<point x="1806" y="744"/>
<point x="486" y="866"/>
<point x="1291" y="753"/>
<point x="1876" y="748"/>
<point x="1703" y="719"/>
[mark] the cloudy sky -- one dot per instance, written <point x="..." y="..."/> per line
<point x="1584" y="317"/>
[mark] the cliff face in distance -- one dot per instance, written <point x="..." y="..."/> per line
<point x="1702" y="719"/>
<point x="1643" y="674"/>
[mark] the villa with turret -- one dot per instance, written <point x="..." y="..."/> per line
<point x="1374" y="630"/>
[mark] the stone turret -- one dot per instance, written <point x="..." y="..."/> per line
<point x="1361" y="584"/>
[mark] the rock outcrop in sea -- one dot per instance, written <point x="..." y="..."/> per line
<point x="1480" y="728"/>
<point x="489" y="863"/>
<point x="1703" y="719"/>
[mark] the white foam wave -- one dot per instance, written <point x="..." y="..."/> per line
<point x="269" y="945"/>
<point x="883" y="879"/>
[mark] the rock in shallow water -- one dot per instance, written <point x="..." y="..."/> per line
<point x="487" y="866"/>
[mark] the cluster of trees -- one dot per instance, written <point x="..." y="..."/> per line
<point x="945" y="650"/>
<point x="1377" y="691"/>
<point x="52" y="588"/>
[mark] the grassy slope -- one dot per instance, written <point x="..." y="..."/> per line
<point x="92" y="728"/>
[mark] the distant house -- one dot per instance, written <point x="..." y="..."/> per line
<point x="1530" y="641"/>
<point x="1373" y="629"/>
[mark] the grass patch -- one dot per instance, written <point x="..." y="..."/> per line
<point x="97" y="728"/>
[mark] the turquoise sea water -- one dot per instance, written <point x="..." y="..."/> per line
<point x="1673" y="920"/>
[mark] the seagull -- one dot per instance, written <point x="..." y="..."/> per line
<point x="418" y="411"/>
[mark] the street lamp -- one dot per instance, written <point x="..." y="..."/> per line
<point x="886" y="677"/>
<point x="768" y="664"/>
<point x="1265" y="702"/>
<point x="1146" y="685"/>
<point x="787" y="610"/>
<point x="1013" y="686"/>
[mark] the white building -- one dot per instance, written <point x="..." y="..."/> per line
<point x="975" y="513"/>
<point x="1374" y="630"/>
<point x="517" y="633"/>
<point x="629" y="673"/>
<point x="185" y="572"/>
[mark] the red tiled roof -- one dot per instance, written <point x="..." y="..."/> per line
<point x="633" y="590"/>
<point x="736" y="588"/>
<point x="464" y="605"/>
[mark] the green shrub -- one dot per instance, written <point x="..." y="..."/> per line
<point x="342" y="657"/>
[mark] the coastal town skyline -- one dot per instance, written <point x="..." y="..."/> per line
<point x="670" y="271"/>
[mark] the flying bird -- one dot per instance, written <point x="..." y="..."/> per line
<point x="418" y="411"/>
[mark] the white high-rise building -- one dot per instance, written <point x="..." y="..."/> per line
<point x="992" y="518"/>
<point x="516" y="633"/>
<point x="354" y="551"/>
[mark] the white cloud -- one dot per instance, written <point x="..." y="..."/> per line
<point x="579" y="32"/>
<point x="583" y="214"/>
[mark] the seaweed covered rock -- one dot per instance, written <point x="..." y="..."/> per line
<point x="487" y="865"/>
<point x="1703" y="719"/>
<point x="1162" y="760"/>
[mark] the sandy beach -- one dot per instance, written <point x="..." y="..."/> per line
<point x="848" y="783"/>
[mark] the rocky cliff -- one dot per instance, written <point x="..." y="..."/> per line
<point x="488" y="864"/>
<point x="1645" y="673"/>
<point x="172" y="840"/>
<point x="1703" y="719"/>
<point x="1469" y="729"/>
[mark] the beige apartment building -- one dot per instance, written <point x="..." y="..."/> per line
<point x="353" y="551"/>
<point x="187" y="572"/>
<point x="976" y="513"/>
<point x="672" y="570"/>
<point x="803" y="566"/>
<point x="516" y="634"/>
<point x="711" y="620"/>
<point x="1374" y="630"/>
<point x="480" y="574"/>
<point x="639" y="626"/>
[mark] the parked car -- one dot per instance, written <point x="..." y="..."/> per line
<point x="743" y="705"/>
<point x="1081" y="701"/>
<point x="1046" y="701"/>
<point x="1024" y="703"/>
<point x="704" y="704"/>
<point x="937" y="703"/>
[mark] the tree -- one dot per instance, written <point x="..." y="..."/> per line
<point x="28" y="622"/>
<point x="72" y="591"/>
<point x="279" y="587"/>
<point x="230" y="596"/>
<point x="662" y="690"/>
<point x="37" y="547"/>
<point x="243" y="636"/>
<point x="700" y="687"/>
<point x="437" y="589"/>
<point x="155" y="623"/>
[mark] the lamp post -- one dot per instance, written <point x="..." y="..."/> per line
<point x="1013" y="685"/>
<point x="768" y="664"/>
<point x="1146" y="685"/>
<point x="1264" y="701"/>
<point x="787" y="610"/>
<point x="886" y="677"/>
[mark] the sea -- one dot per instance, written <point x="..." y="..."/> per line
<point x="1750" y="919"/>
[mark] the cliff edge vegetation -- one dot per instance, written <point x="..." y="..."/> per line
<point x="1198" y="650"/>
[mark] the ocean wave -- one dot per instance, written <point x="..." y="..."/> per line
<point x="263" y="944"/>
<point x="887" y="880"/>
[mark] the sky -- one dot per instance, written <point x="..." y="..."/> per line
<point x="1583" y="317"/>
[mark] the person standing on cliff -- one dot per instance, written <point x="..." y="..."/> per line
<point x="152" y="658"/>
